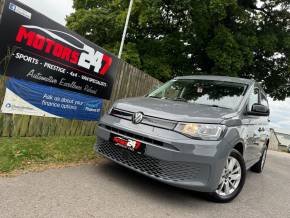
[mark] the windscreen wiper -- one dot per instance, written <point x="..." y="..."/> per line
<point x="153" y="97"/>
<point x="179" y="99"/>
<point x="214" y="105"/>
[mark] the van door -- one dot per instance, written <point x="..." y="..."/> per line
<point x="258" y="132"/>
<point x="263" y="126"/>
<point x="253" y="135"/>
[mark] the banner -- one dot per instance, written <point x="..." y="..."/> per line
<point x="28" y="98"/>
<point x="49" y="54"/>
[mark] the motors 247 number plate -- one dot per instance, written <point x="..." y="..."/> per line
<point x="129" y="144"/>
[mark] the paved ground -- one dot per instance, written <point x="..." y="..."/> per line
<point x="107" y="190"/>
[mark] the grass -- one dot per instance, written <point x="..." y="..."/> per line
<point x="24" y="153"/>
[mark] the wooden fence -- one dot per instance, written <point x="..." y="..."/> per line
<point x="1" y="7"/>
<point x="130" y="82"/>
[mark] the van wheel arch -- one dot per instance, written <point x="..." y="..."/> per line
<point x="240" y="148"/>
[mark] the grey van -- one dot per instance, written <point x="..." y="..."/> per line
<point x="199" y="133"/>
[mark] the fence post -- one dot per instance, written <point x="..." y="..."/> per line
<point x="1" y="7"/>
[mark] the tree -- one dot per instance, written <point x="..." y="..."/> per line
<point x="168" y="38"/>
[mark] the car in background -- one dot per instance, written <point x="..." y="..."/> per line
<point x="199" y="133"/>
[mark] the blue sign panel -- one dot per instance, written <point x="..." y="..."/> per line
<point x="25" y="97"/>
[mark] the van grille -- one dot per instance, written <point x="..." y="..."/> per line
<point x="165" y="170"/>
<point x="134" y="136"/>
<point x="147" y="120"/>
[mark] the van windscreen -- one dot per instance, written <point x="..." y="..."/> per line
<point x="205" y="92"/>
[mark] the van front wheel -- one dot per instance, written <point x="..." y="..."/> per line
<point x="232" y="179"/>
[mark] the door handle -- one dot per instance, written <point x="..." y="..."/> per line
<point x="261" y="129"/>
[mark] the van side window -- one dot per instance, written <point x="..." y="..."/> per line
<point x="254" y="98"/>
<point x="264" y="101"/>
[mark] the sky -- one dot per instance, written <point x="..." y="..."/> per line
<point x="280" y="114"/>
<point x="54" y="9"/>
<point x="59" y="9"/>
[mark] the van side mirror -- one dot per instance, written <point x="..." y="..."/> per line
<point x="259" y="110"/>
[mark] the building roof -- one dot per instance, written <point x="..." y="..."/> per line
<point x="282" y="131"/>
<point x="221" y="78"/>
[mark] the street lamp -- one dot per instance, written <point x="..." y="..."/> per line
<point x="125" y="29"/>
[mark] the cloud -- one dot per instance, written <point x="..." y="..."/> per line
<point x="280" y="113"/>
<point x="54" y="9"/>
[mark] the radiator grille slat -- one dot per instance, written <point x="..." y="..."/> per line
<point x="147" y="120"/>
<point x="166" y="170"/>
<point x="134" y="136"/>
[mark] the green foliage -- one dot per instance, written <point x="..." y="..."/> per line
<point x="224" y="50"/>
<point x="167" y="38"/>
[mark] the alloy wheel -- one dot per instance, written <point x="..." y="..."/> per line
<point x="230" y="178"/>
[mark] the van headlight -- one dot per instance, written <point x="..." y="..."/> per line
<point x="201" y="131"/>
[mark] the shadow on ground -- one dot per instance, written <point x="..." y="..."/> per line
<point x="143" y="185"/>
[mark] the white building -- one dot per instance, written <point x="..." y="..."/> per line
<point x="283" y="136"/>
<point x="279" y="137"/>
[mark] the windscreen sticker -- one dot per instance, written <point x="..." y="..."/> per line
<point x="20" y="11"/>
<point x="199" y="90"/>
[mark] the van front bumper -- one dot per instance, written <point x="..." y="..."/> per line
<point x="169" y="156"/>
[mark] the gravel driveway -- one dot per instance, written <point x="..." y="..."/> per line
<point x="108" y="190"/>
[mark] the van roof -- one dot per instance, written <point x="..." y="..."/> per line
<point x="219" y="78"/>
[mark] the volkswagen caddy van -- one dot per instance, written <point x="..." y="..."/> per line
<point x="199" y="133"/>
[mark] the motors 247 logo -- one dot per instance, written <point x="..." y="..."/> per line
<point x="73" y="51"/>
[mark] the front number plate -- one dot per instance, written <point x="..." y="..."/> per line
<point x="132" y="145"/>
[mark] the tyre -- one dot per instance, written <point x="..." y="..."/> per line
<point x="259" y="166"/>
<point x="232" y="179"/>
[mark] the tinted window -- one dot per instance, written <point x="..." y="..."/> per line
<point x="205" y="92"/>
<point x="254" y="98"/>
